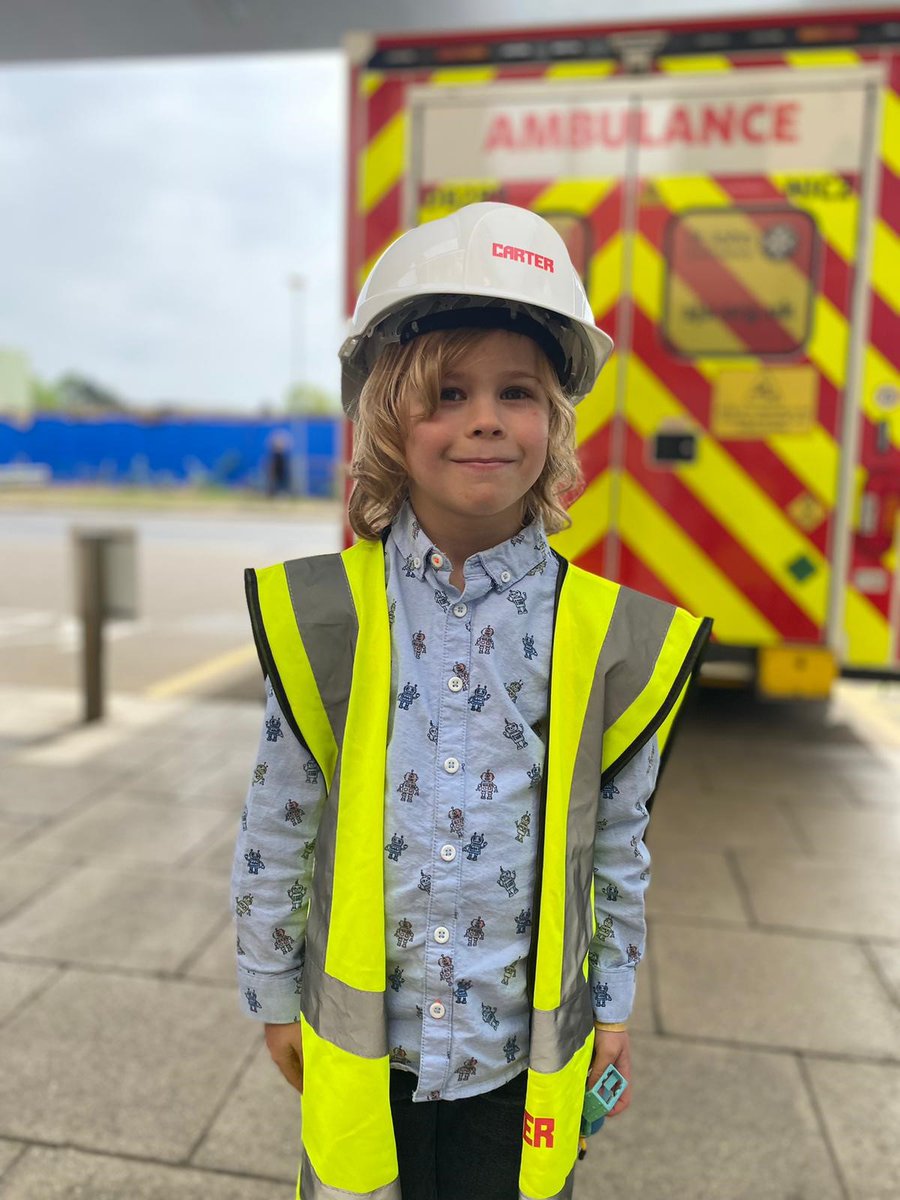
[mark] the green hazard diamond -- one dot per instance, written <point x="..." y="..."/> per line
<point x="801" y="568"/>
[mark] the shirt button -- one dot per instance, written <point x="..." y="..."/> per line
<point x="460" y="610"/>
<point x="448" y="853"/>
<point x="437" y="1009"/>
<point x="505" y="576"/>
<point x="437" y="560"/>
<point x="417" y="562"/>
<point x="454" y="683"/>
<point x="442" y="935"/>
<point x="451" y="765"/>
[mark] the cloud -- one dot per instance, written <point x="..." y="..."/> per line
<point x="153" y="212"/>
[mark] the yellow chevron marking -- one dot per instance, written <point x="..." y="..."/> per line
<point x="812" y="457"/>
<point x="687" y="572"/>
<point x="822" y="58"/>
<point x="890" y="138"/>
<point x="830" y="341"/>
<point x="462" y="76"/>
<point x="381" y="162"/>
<point x="581" y="70"/>
<point x="737" y="500"/>
<point x="370" y="82"/>
<point x="868" y="633"/>
<point x="599" y="405"/>
<point x="698" y="63"/>
<point x="590" y="519"/>
<point x="579" y="196"/>
<point x="886" y="265"/>
<point x="605" y="280"/>
<point x="836" y="216"/>
<point x="694" y="191"/>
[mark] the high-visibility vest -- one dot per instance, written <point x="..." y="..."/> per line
<point x="621" y="663"/>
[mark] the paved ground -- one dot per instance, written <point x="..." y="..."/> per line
<point x="766" y="1032"/>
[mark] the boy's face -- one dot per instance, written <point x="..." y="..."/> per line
<point x="485" y="445"/>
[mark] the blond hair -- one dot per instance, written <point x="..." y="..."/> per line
<point x="412" y="373"/>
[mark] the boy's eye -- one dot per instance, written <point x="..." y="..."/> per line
<point x="451" y="393"/>
<point x="516" y="393"/>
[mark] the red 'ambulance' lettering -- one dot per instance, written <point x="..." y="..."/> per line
<point x="538" y="1131"/>
<point x="610" y="128"/>
<point x="518" y="254"/>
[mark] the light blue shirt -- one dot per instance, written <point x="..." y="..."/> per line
<point x="466" y="746"/>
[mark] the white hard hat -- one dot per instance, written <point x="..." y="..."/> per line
<point x="487" y="265"/>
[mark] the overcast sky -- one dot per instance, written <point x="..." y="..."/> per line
<point x="151" y="213"/>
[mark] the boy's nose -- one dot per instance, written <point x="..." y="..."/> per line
<point x="485" y="417"/>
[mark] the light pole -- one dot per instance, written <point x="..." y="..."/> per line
<point x="296" y="287"/>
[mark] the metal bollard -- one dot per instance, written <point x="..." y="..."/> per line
<point x="106" y="575"/>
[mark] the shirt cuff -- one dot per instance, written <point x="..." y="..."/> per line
<point x="612" y="995"/>
<point x="271" y="998"/>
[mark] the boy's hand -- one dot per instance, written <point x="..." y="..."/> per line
<point x="612" y="1047"/>
<point x="285" y="1044"/>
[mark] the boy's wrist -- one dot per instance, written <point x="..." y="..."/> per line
<point x="611" y="1027"/>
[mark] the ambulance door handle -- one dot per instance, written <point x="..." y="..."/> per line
<point x="674" y="448"/>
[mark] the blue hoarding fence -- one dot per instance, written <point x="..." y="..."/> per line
<point x="223" y="451"/>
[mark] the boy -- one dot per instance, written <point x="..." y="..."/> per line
<point x="472" y="741"/>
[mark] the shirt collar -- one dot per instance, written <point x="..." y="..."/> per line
<point x="505" y="564"/>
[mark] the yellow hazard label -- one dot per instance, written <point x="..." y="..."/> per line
<point x="806" y="512"/>
<point x="765" y="402"/>
<point x="739" y="281"/>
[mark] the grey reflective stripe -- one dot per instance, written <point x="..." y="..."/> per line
<point x="351" y="1019"/>
<point x="565" y="1194"/>
<point x="326" y="618"/>
<point x="311" y="1187"/>
<point x="557" y="1033"/>
<point x="634" y="639"/>
<point x="628" y="656"/>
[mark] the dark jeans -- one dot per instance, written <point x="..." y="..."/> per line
<point x="459" y="1149"/>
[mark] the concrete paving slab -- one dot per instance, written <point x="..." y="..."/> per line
<point x="48" y="1174"/>
<point x="134" y="830"/>
<point x="21" y="982"/>
<point x="258" y="1130"/>
<point x="772" y="989"/>
<point x="887" y="959"/>
<point x="704" y="823"/>
<point x="693" y="884"/>
<point x="25" y="874"/>
<point x="877" y="786"/>
<point x="215" y="858"/>
<point x="787" y="893"/>
<point x="100" y="916"/>
<point x="786" y="792"/>
<point x="699" y="1128"/>
<point x="16" y="829"/>
<point x="216" y="961"/>
<point x="9" y="1152"/>
<point x="860" y="1103"/>
<point x="135" y="1066"/>
<point x="51" y="791"/>
<point x="870" y="832"/>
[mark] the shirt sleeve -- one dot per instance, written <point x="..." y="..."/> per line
<point x="272" y="870"/>
<point x="621" y="875"/>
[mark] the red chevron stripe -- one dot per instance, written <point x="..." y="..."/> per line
<point x="384" y="103"/>
<point x="675" y="498"/>
<point x="694" y="392"/>
<point x="638" y="575"/>
<point x="594" y="452"/>
<point x="593" y="559"/>
<point x="383" y="222"/>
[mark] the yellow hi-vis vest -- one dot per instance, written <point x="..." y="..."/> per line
<point x="621" y="662"/>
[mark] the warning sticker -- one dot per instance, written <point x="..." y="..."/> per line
<point x="764" y="403"/>
<point x="739" y="281"/>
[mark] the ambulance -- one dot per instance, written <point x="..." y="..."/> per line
<point x="730" y="192"/>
